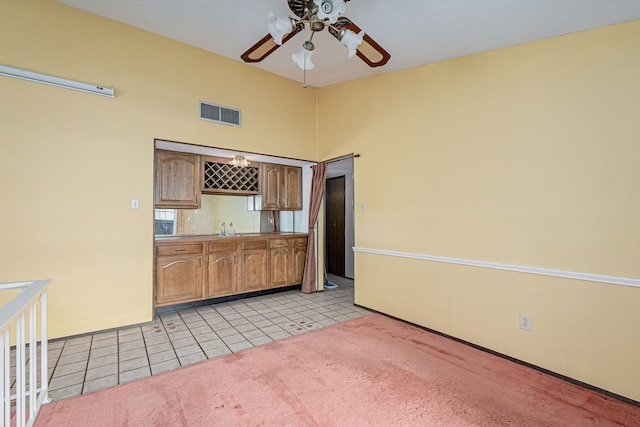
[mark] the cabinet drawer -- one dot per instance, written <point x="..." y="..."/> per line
<point x="179" y="249"/>
<point x="279" y="243"/>
<point x="300" y="243"/>
<point x="255" y="244"/>
<point x="223" y="246"/>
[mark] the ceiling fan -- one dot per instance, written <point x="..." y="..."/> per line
<point x="318" y="14"/>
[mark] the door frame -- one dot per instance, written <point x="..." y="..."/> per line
<point x="343" y="165"/>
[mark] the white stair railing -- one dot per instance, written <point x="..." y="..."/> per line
<point x="13" y="325"/>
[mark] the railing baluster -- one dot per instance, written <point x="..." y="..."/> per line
<point x="13" y="315"/>
<point x="44" y="344"/>
<point x="20" y="370"/>
<point x="4" y="379"/>
<point x="33" y="360"/>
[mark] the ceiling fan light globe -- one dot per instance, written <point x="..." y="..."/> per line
<point x="352" y="40"/>
<point x="330" y="9"/>
<point x="303" y="59"/>
<point x="279" y="27"/>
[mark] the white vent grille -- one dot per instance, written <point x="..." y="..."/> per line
<point x="219" y="114"/>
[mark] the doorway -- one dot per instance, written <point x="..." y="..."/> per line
<point x="339" y="218"/>
<point x="335" y="226"/>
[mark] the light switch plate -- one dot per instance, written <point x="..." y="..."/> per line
<point x="135" y="204"/>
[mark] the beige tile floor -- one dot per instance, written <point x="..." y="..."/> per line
<point x="84" y="364"/>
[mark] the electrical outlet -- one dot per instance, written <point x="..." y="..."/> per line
<point x="525" y="322"/>
<point x="135" y="204"/>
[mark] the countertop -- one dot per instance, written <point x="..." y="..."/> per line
<point x="209" y="237"/>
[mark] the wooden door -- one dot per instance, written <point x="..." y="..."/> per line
<point x="222" y="274"/>
<point x="178" y="279"/>
<point x="177" y="180"/>
<point x="293" y="188"/>
<point x="335" y="217"/>
<point x="271" y="186"/>
<point x="255" y="265"/>
<point x="279" y="267"/>
<point x="298" y="258"/>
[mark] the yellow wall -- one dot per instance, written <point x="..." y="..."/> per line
<point x="526" y="155"/>
<point x="70" y="162"/>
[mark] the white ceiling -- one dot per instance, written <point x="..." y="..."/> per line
<point x="414" y="32"/>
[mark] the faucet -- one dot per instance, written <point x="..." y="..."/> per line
<point x="223" y="232"/>
<point x="231" y="232"/>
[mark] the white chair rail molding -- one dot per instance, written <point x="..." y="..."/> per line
<point x="589" y="277"/>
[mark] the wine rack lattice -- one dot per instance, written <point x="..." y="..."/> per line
<point x="225" y="178"/>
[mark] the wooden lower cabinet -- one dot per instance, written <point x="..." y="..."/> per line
<point x="222" y="269"/>
<point x="287" y="261"/>
<point x="298" y="258"/>
<point x="279" y="267"/>
<point x="255" y="266"/>
<point x="179" y="274"/>
<point x="187" y="272"/>
<point x="280" y="261"/>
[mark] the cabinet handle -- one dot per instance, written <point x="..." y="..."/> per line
<point x="180" y="250"/>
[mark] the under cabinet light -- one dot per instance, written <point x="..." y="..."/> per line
<point x="56" y="81"/>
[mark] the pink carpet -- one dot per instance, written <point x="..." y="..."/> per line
<point x="370" y="371"/>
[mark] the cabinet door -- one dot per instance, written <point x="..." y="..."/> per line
<point x="271" y="186"/>
<point x="298" y="258"/>
<point x="279" y="267"/>
<point x="293" y="188"/>
<point x="178" y="279"/>
<point x="222" y="274"/>
<point x="177" y="180"/>
<point x="255" y="270"/>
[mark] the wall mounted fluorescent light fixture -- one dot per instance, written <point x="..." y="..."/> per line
<point x="56" y="81"/>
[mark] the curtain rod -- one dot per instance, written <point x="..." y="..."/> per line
<point x="337" y="159"/>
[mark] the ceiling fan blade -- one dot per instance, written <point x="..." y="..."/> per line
<point x="369" y="51"/>
<point x="266" y="46"/>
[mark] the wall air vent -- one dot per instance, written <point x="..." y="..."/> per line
<point x="219" y="114"/>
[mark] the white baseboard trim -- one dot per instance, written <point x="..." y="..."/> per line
<point x="589" y="277"/>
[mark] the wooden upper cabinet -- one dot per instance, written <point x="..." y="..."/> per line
<point x="271" y="186"/>
<point x="281" y="187"/>
<point x="293" y="188"/>
<point x="177" y="180"/>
